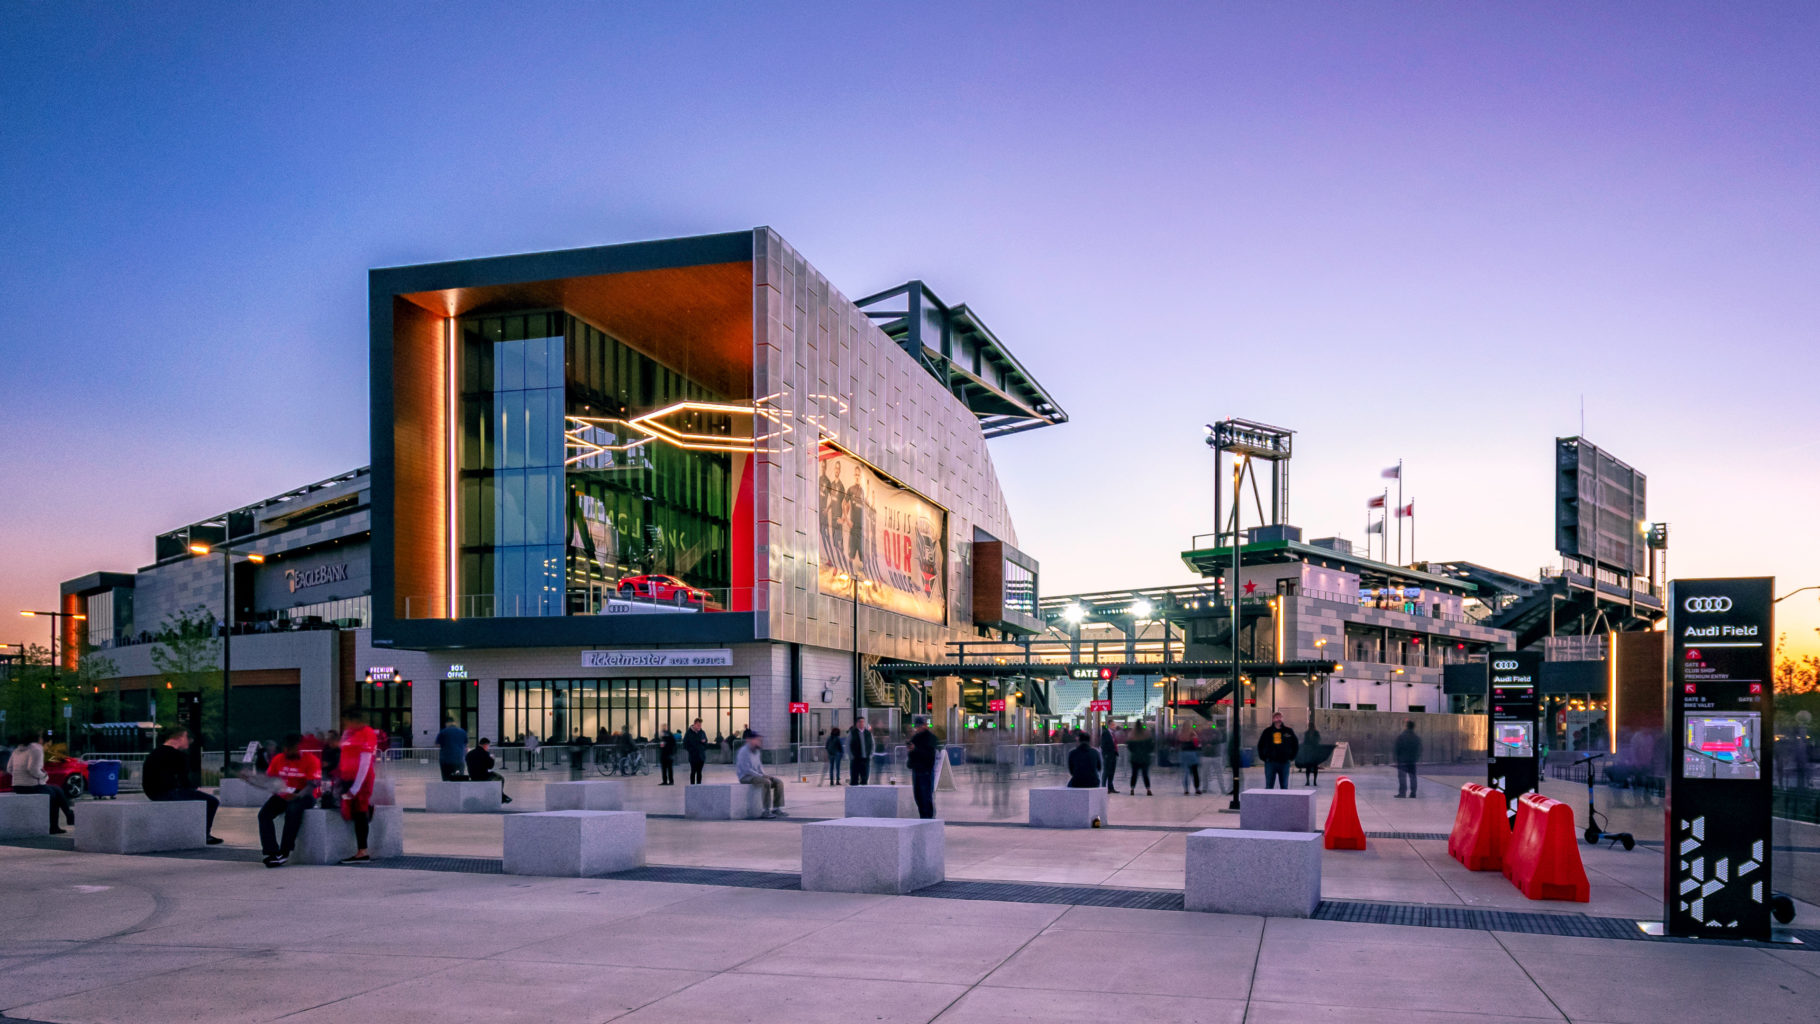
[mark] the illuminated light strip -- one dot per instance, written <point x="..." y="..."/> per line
<point x="1611" y="701"/>
<point x="451" y="569"/>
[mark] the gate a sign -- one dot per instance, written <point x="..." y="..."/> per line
<point x="1515" y="767"/>
<point x="1720" y="709"/>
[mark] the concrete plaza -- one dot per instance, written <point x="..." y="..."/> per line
<point x="215" y="936"/>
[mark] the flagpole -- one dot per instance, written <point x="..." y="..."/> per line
<point x="1399" y="511"/>
<point x="1384" y="524"/>
<point x="1412" y="529"/>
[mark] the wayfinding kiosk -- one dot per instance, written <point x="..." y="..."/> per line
<point x="1720" y="709"/>
<point x="1515" y="767"/>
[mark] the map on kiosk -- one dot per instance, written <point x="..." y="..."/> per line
<point x="1513" y="740"/>
<point x="1722" y="746"/>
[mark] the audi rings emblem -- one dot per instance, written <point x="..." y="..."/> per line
<point x="1707" y="604"/>
<point x="1504" y="666"/>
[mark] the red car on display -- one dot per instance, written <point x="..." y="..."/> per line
<point x="666" y="589"/>
<point x="70" y="773"/>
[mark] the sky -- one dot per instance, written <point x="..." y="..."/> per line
<point x="1427" y="232"/>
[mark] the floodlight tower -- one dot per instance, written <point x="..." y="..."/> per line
<point x="1246" y="442"/>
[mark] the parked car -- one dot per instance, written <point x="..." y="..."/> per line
<point x="659" y="587"/>
<point x="71" y="773"/>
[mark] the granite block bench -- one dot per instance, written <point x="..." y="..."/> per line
<point x="236" y="792"/>
<point x="24" y="815"/>
<point x="723" y="801"/>
<point x="880" y="802"/>
<point x="1063" y="807"/>
<point x="142" y="826"/>
<point x="600" y="795"/>
<point x="462" y="797"/>
<point x="325" y="838"/>
<point x="1277" y="810"/>
<point x="877" y="855"/>
<point x="574" y="844"/>
<point x="1240" y="871"/>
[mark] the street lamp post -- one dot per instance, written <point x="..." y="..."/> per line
<point x="54" y="616"/>
<point x="859" y="691"/>
<point x="1232" y="738"/>
<point x="227" y="633"/>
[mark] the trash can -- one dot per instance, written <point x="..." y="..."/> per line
<point x="104" y="779"/>
<point x="1247" y="757"/>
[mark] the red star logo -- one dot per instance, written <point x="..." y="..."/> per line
<point x="1251" y="586"/>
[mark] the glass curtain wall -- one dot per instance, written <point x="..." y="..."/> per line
<point x="561" y="710"/>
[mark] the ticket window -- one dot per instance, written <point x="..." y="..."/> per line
<point x="461" y="701"/>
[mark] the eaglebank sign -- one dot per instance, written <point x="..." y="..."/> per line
<point x="300" y="579"/>
<point x="656" y="659"/>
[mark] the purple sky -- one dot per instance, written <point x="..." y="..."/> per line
<point x="1404" y="230"/>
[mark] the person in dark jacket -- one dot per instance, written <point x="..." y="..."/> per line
<point x="166" y="776"/>
<point x="835" y="749"/>
<point x="1083" y="764"/>
<point x="861" y="745"/>
<point x="1109" y="758"/>
<point x="921" y="759"/>
<point x="480" y="767"/>
<point x="1276" y="748"/>
<point x="695" y="742"/>
<point x="1309" y="755"/>
<point x="451" y="749"/>
<point x="1408" y="751"/>
<point x="666" y="755"/>
<point x="1141" y="746"/>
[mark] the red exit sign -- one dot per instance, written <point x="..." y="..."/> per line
<point x="995" y="705"/>
<point x="799" y="707"/>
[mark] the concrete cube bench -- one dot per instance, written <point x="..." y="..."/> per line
<point x="574" y="844"/>
<point x="877" y="855"/>
<point x="1062" y="807"/>
<point x="325" y="838"/>
<point x="462" y="797"/>
<point x="880" y="802"/>
<point x="241" y="793"/>
<point x="385" y="792"/>
<point x="141" y="826"/>
<point x="1239" y="871"/>
<point x="1277" y="810"/>
<point x="599" y="795"/>
<point x="24" y="815"/>
<point x="723" y="801"/>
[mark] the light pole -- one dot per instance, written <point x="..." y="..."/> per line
<point x="1232" y="739"/>
<point x="227" y="632"/>
<point x="54" y="616"/>
<point x="1792" y="593"/>
<point x="859" y="691"/>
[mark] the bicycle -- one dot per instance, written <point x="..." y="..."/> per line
<point x="624" y="764"/>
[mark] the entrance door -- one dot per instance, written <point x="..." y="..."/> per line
<point x="461" y="701"/>
<point x="388" y="708"/>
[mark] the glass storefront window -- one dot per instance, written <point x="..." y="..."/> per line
<point x="558" y="710"/>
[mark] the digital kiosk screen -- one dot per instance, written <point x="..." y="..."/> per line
<point x="1722" y="746"/>
<point x="1515" y="739"/>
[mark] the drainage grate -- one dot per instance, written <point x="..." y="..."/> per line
<point x="1065" y="895"/>
<point x="713" y="876"/>
<point x="459" y="865"/>
<point x="1477" y="919"/>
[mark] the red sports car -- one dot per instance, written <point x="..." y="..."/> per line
<point x="658" y="587"/>
<point x="71" y="773"/>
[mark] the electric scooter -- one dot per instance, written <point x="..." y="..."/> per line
<point x="1595" y="822"/>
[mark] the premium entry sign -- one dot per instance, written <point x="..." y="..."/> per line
<point x="1511" y="694"/>
<point x="1716" y="875"/>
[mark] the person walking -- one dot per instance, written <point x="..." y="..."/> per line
<point x="835" y="749"/>
<point x="695" y="742"/>
<point x="166" y="776"/>
<point x="861" y="745"/>
<point x="921" y="760"/>
<point x="26" y="766"/>
<point x="480" y="767"/>
<point x="1083" y="764"/>
<point x="1276" y="748"/>
<point x="1408" y="751"/>
<point x="749" y="768"/>
<point x="1188" y="747"/>
<point x="297" y="774"/>
<point x="357" y="771"/>
<point x="666" y="755"/>
<point x="1141" y="747"/>
<point x="1109" y="757"/>
<point x="451" y="749"/>
<point x="1309" y="756"/>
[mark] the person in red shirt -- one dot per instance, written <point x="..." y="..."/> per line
<point x="360" y="744"/>
<point x="297" y="774"/>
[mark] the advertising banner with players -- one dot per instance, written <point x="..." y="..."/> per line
<point x="876" y="529"/>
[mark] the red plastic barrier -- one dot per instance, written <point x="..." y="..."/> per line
<point x="1543" y="860"/>
<point x="1343" y="831"/>
<point x="1480" y="833"/>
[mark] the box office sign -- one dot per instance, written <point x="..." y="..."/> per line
<point x="878" y="530"/>
<point x="657" y="659"/>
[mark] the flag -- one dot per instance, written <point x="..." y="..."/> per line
<point x="1393" y="473"/>
<point x="1407" y="510"/>
<point x="1377" y="527"/>
<point x="1375" y="501"/>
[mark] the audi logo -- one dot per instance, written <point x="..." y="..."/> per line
<point x="1707" y="604"/>
<point x="1504" y="666"/>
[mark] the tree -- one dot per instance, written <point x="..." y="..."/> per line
<point x="27" y="698"/>
<point x="187" y="655"/>
<point x="1795" y="675"/>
